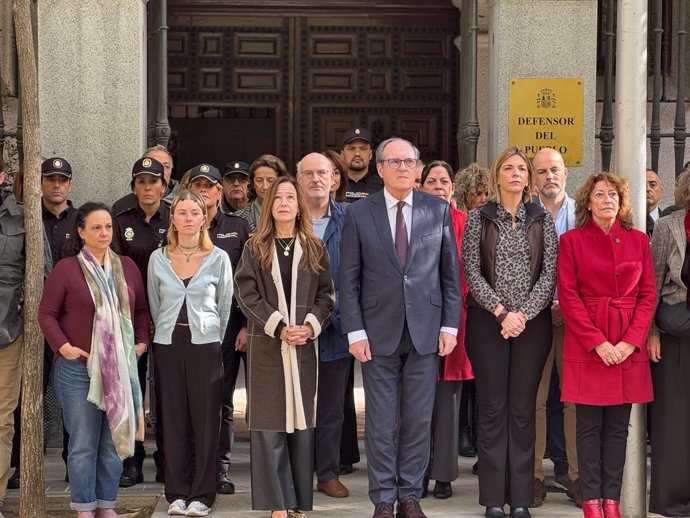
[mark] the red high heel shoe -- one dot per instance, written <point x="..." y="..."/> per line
<point x="592" y="508"/>
<point x="611" y="508"/>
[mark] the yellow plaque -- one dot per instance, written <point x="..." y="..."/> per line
<point x="546" y="112"/>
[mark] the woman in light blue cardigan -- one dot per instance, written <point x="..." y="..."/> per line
<point x="190" y="292"/>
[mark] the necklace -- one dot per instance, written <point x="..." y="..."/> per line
<point x="286" y="248"/>
<point x="193" y="251"/>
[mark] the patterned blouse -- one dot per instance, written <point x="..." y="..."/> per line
<point x="512" y="270"/>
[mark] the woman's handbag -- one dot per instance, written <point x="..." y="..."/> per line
<point x="674" y="319"/>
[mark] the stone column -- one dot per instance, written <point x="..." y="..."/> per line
<point x="92" y="79"/>
<point x="630" y="154"/>
<point x="542" y="39"/>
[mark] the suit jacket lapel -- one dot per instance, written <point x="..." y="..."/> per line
<point x="678" y="231"/>
<point x="379" y="214"/>
<point x="418" y="224"/>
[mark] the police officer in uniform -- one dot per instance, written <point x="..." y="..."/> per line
<point x="357" y="153"/>
<point x="58" y="221"/>
<point x="235" y="187"/>
<point x="161" y="154"/>
<point x="228" y="232"/>
<point x="137" y="232"/>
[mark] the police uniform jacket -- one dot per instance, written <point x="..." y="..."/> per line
<point x="59" y="229"/>
<point x="136" y="238"/>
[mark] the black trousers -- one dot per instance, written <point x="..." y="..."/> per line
<point x="349" y="447"/>
<point x="231" y="368"/>
<point x="282" y="469"/>
<point x="330" y="401"/>
<point x="669" y="489"/>
<point x="190" y="381"/>
<point x="507" y="375"/>
<point x="137" y="460"/>
<point x="602" y="432"/>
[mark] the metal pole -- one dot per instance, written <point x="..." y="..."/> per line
<point x="162" y="127"/>
<point x="630" y="159"/>
<point x="655" y="129"/>
<point x="679" y="126"/>
<point x="606" y="131"/>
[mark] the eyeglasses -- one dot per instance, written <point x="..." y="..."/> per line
<point x="321" y="173"/>
<point x="395" y="163"/>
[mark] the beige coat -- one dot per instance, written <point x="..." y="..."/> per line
<point x="282" y="378"/>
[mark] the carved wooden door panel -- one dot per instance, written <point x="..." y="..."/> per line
<point x="289" y="81"/>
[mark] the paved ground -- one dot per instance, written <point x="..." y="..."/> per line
<point x="462" y="504"/>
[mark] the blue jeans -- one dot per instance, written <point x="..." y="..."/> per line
<point x="92" y="463"/>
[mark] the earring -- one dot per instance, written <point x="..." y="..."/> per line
<point x="174" y="228"/>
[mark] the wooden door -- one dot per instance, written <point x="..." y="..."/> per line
<point x="289" y="77"/>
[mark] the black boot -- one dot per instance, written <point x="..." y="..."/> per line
<point x="465" y="446"/>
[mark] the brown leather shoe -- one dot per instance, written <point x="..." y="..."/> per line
<point x="383" y="510"/>
<point x="539" y="493"/>
<point x="333" y="487"/>
<point x="410" y="509"/>
<point x="574" y="493"/>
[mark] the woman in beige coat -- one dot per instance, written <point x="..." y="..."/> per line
<point x="284" y="288"/>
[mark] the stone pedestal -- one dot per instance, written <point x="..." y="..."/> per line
<point x="542" y="39"/>
<point x="92" y="79"/>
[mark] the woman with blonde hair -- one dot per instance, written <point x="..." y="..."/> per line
<point x="284" y="287"/>
<point x="190" y="294"/>
<point x="509" y="248"/>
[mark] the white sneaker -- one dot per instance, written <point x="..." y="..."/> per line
<point x="197" y="509"/>
<point x="178" y="508"/>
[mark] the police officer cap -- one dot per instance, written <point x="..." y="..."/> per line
<point x="212" y="174"/>
<point x="56" y="165"/>
<point x="356" y="134"/>
<point x="236" y="168"/>
<point x="147" y="165"/>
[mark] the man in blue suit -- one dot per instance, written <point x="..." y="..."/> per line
<point x="400" y="307"/>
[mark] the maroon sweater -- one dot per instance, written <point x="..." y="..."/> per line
<point x="66" y="311"/>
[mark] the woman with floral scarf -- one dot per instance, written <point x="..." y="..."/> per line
<point x="95" y="317"/>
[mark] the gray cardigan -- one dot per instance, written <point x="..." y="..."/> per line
<point x="208" y="296"/>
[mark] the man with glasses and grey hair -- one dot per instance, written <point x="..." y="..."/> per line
<point x="315" y="176"/>
<point x="400" y="307"/>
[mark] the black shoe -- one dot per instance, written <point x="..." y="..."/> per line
<point x="160" y="475"/>
<point x="520" y="512"/>
<point x="465" y="446"/>
<point x="475" y="468"/>
<point x="494" y="512"/>
<point x="425" y="487"/>
<point x="442" y="490"/>
<point x="13" y="481"/>
<point x="346" y="469"/>
<point x="224" y="485"/>
<point x="131" y="476"/>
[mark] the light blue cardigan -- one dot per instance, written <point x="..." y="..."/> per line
<point x="208" y="296"/>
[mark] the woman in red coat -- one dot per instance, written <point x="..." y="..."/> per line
<point x="437" y="180"/>
<point x="607" y="294"/>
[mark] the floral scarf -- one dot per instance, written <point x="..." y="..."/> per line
<point x="112" y="364"/>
